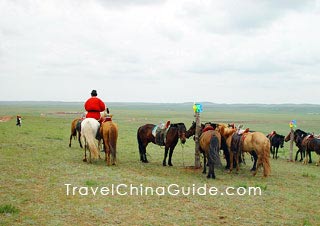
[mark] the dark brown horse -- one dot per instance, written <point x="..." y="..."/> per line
<point x="311" y="144"/>
<point x="175" y="132"/>
<point x="298" y="136"/>
<point x="276" y="141"/>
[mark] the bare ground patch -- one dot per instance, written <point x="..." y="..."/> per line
<point x="5" y="118"/>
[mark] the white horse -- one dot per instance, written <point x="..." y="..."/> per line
<point x="89" y="129"/>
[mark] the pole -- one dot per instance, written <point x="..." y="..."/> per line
<point x="196" y="139"/>
<point x="291" y="145"/>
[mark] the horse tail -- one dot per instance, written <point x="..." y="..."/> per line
<point x="214" y="151"/>
<point x="213" y="156"/>
<point x="89" y="135"/>
<point x="139" y="141"/>
<point x="266" y="158"/>
<point x="113" y="136"/>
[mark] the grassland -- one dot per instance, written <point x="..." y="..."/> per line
<point x="36" y="163"/>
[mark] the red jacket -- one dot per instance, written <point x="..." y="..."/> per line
<point x="94" y="106"/>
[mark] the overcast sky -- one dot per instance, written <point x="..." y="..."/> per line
<point x="248" y="51"/>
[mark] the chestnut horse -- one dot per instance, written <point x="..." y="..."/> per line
<point x="191" y="132"/>
<point x="251" y="141"/>
<point x="210" y="143"/>
<point x="75" y="129"/>
<point x="175" y="132"/>
<point x="109" y="134"/>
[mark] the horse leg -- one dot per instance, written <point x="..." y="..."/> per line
<point x="227" y="156"/>
<point x="276" y="152"/>
<point x="142" y="151"/>
<point x="259" y="163"/>
<point x="85" y="151"/>
<point x="237" y="160"/>
<point x="204" y="163"/>
<point x="99" y="147"/>
<point x="306" y="158"/>
<point x="164" y="162"/>
<point x="170" y="156"/>
<point x="70" y="141"/>
<point x="231" y="161"/>
<point x="296" y="158"/>
<point x="255" y="158"/>
<point x="107" y="150"/>
<point x="310" y="160"/>
<point x="273" y="151"/>
<point x="79" y="139"/>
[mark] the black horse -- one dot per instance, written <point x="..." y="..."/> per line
<point x="298" y="136"/>
<point x="276" y="141"/>
<point x="175" y="132"/>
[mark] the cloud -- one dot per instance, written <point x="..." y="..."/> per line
<point x="133" y="50"/>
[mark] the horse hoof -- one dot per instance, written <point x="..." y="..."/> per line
<point x="164" y="164"/>
<point x="85" y="160"/>
<point x="170" y="164"/>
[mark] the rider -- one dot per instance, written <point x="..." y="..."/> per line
<point x="94" y="106"/>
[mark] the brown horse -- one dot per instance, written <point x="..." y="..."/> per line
<point x="210" y="143"/>
<point x="109" y="133"/>
<point x="75" y="129"/>
<point x="251" y="141"/>
<point x="175" y="132"/>
<point x="311" y="144"/>
<point x="191" y="132"/>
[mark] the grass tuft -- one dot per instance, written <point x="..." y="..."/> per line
<point x="8" y="208"/>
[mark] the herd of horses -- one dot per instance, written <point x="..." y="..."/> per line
<point x="213" y="137"/>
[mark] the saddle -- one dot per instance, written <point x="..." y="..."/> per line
<point x="78" y="126"/>
<point x="160" y="135"/>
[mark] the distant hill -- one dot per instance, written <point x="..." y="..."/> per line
<point x="207" y="106"/>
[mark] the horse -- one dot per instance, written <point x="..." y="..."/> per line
<point x="310" y="143"/>
<point x="298" y="136"/>
<point x="75" y="129"/>
<point x="89" y="130"/>
<point x="191" y="132"/>
<point x="175" y="132"/>
<point x="210" y="144"/>
<point x="276" y="141"/>
<point x="251" y="141"/>
<point x="109" y="133"/>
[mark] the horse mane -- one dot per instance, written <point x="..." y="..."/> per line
<point x="176" y="124"/>
<point x="225" y="131"/>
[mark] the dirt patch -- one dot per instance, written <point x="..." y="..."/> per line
<point x="5" y="118"/>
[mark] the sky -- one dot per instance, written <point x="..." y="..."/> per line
<point x="248" y="51"/>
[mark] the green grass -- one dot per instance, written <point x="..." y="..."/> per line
<point x="8" y="209"/>
<point x="36" y="163"/>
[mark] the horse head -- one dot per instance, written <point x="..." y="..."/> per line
<point x="191" y="131"/>
<point x="182" y="132"/>
<point x="226" y="131"/>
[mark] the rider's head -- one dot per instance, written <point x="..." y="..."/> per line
<point x="94" y="93"/>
